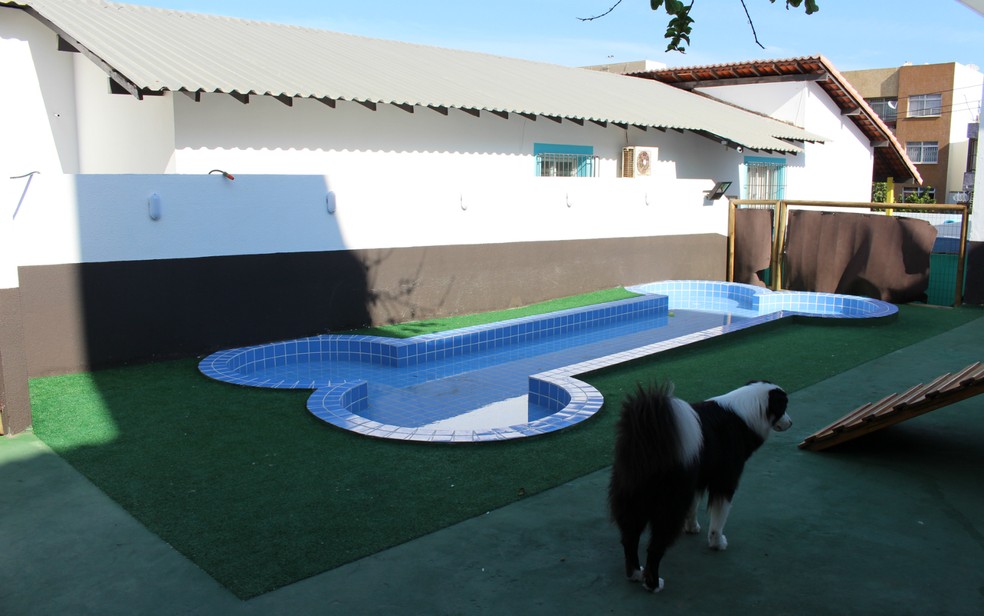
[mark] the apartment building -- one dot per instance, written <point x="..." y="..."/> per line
<point x="934" y="110"/>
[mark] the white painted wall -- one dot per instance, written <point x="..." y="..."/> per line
<point x="266" y="136"/>
<point x="37" y="105"/>
<point x="967" y="84"/>
<point x="37" y="121"/>
<point x="399" y="179"/>
<point x="976" y="232"/>
<point x="117" y="133"/>
<point x="93" y="218"/>
<point x="838" y="169"/>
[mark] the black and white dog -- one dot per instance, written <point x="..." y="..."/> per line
<point x="669" y="453"/>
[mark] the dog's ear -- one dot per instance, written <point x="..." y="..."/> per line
<point x="778" y="401"/>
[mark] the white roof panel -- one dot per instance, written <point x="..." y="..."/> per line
<point x="157" y="49"/>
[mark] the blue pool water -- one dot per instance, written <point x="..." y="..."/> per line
<point x="514" y="378"/>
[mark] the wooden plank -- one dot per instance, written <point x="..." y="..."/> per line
<point x="862" y="429"/>
<point x="913" y="396"/>
<point x="887" y="401"/>
<point x="975" y="375"/>
<point x="942" y="391"/>
<point x="829" y="429"/>
<point x="953" y="382"/>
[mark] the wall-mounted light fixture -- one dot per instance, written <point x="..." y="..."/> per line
<point x="330" y="201"/>
<point x="225" y="174"/>
<point x="154" y="206"/>
<point x="717" y="192"/>
<point x="461" y="202"/>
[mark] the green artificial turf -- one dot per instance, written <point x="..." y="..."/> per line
<point x="417" y="328"/>
<point x="259" y="493"/>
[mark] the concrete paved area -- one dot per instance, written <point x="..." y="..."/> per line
<point x="889" y="524"/>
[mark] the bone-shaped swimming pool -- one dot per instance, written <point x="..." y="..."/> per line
<point x="515" y="378"/>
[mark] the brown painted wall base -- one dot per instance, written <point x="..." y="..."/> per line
<point x="15" y="401"/>
<point x="79" y="317"/>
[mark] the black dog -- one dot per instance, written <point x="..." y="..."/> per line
<point x="668" y="453"/>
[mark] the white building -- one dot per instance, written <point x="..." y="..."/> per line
<point x="374" y="181"/>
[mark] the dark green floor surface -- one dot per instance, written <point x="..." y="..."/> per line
<point x="889" y="524"/>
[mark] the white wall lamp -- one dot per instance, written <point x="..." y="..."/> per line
<point x="154" y="206"/>
<point x="330" y="202"/>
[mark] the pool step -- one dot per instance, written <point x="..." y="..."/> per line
<point x="942" y="391"/>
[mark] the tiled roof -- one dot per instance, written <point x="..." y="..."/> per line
<point x="890" y="156"/>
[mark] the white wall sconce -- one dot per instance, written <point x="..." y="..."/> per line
<point x="330" y="202"/>
<point x="461" y="202"/>
<point x="568" y="197"/>
<point x="154" y="206"/>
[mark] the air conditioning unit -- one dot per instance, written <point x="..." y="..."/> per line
<point x="638" y="161"/>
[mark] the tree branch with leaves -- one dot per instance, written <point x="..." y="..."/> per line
<point x="679" y="27"/>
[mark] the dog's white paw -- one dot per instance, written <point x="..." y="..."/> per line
<point x="636" y="575"/>
<point x="691" y="527"/>
<point x="717" y="541"/>
<point x="657" y="589"/>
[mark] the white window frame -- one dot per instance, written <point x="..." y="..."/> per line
<point x="923" y="152"/>
<point x="886" y="108"/>
<point x="925" y="105"/>
<point x="763" y="178"/>
<point x="564" y="160"/>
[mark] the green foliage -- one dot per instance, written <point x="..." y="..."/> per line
<point x="879" y="192"/>
<point x="811" y="5"/>
<point x="925" y="195"/>
<point x="679" y="28"/>
<point x="681" y="23"/>
<point x="417" y="328"/>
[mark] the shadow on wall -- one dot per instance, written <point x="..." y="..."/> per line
<point x="247" y="260"/>
<point x="227" y="263"/>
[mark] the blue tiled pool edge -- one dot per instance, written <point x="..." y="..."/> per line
<point x="571" y="400"/>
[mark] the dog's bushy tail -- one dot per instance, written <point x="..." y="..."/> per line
<point x="654" y="434"/>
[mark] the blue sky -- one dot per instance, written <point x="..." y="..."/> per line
<point x="853" y="34"/>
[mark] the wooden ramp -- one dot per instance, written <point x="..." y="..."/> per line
<point x="943" y="391"/>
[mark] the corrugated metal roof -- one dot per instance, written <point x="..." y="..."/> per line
<point x="157" y="50"/>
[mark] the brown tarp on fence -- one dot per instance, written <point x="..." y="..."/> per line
<point x="884" y="257"/>
<point x="753" y="244"/>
